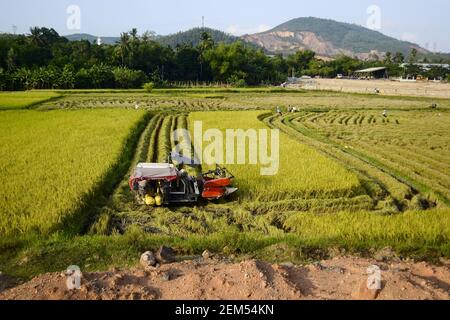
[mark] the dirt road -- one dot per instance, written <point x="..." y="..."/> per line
<point x="340" y="278"/>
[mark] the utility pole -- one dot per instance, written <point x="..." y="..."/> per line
<point x="14" y="27"/>
<point x="203" y="22"/>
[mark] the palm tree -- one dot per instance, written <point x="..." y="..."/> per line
<point x="134" y="46"/>
<point x="399" y="58"/>
<point x="206" y="43"/>
<point x="11" y="60"/>
<point x="388" y="58"/>
<point x="413" y="56"/>
<point x="125" y="46"/>
<point x="35" y="35"/>
<point x="134" y="34"/>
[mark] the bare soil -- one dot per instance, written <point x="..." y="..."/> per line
<point x="385" y="87"/>
<point x="342" y="278"/>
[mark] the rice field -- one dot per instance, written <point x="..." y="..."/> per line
<point x="348" y="176"/>
<point x="212" y="100"/>
<point x="51" y="162"/>
<point x="314" y="177"/>
<point x="303" y="172"/>
<point x="409" y="149"/>
<point x="410" y="228"/>
<point x="20" y="100"/>
<point x="302" y="185"/>
<point x="151" y="102"/>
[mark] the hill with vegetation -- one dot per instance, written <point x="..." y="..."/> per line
<point x="45" y="60"/>
<point x="329" y="38"/>
<point x="193" y="37"/>
<point x="189" y="37"/>
<point x="91" y="38"/>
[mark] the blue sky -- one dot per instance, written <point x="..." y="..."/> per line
<point x="420" y="21"/>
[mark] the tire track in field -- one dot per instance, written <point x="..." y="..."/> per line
<point x="152" y="155"/>
<point x="155" y="132"/>
<point x="144" y="145"/>
<point x="165" y="142"/>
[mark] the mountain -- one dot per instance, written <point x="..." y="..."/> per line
<point x="91" y="38"/>
<point x="193" y="37"/>
<point x="329" y="38"/>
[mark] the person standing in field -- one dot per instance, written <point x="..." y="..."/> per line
<point x="279" y="111"/>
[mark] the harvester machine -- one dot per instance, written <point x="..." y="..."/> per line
<point x="158" y="184"/>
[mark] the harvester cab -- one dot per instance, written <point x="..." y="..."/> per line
<point x="157" y="184"/>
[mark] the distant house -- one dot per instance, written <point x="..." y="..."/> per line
<point x="427" y="66"/>
<point x="373" y="73"/>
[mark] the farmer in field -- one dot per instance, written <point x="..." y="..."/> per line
<point x="385" y="113"/>
<point x="279" y="111"/>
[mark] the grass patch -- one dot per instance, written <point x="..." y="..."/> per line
<point x="25" y="99"/>
<point x="421" y="235"/>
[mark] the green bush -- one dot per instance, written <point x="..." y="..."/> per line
<point x="239" y="83"/>
<point x="237" y="80"/>
<point x="6" y="81"/>
<point x="83" y="79"/>
<point x="149" y="86"/>
<point x="129" y="79"/>
<point x="102" y="76"/>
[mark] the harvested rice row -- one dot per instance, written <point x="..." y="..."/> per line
<point x="318" y="205"/>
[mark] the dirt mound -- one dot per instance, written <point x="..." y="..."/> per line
<point x="340" y="278"/>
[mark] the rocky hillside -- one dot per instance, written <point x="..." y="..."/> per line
<point x="328" y="38"/>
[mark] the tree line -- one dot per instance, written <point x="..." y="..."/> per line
<point x="45" y="60"/>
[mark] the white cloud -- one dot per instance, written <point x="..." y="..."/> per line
<point x="238" y="31"/>
<point x="406" y="36"/>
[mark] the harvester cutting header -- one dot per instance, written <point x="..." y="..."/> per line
<point x="157" y="184"/>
